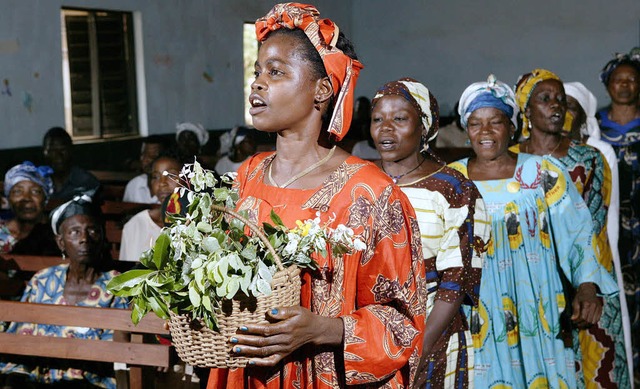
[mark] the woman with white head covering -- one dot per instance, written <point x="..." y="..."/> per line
<point x="541" y="238"/>
<point x="452" y="221"/>
<point x="190" y="138"/>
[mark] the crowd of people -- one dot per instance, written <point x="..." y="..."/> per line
<point x="515" y="267"/>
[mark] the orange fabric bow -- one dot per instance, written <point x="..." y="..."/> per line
<point x="323" y="34"/>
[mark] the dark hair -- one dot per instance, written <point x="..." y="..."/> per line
<point x="308" y="52"/>
<point x="630" y="59"/>
<point x="168" y="154"/>
<point x="57" y="133"/>
<point x="156" y="140"/>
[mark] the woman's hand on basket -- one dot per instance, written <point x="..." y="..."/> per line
<point x="587" y="306"/>
<point x="290" y="328"/>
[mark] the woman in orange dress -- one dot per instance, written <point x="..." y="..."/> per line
<point x="362" y="315"/>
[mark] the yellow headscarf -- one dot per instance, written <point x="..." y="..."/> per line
<point x="525" y="86"/>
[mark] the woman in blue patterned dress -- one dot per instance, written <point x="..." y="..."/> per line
<point x="82" y="281"/>
<point x="620" y="125"/>
<point x="541" y="233"/>
<point x="600" y="348"/>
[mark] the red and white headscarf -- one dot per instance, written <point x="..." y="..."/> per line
<point x="342" y="70"/>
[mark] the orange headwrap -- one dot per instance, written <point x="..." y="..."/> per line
<point x="342" y="70"/>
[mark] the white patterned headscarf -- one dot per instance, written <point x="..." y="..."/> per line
<point x="201" y="133"/>
<point x="420" y="98"/>
<point x="488" y="94"/>
<point x="589" y="104"/>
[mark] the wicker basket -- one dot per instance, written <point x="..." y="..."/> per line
<point x="198" y="345"/>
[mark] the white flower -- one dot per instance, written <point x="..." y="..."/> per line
<point x="359" y="245"/>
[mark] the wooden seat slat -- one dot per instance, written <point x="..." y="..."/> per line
<point x="29" y="263"/>
<point x="69" y="315"/>
<point x="85" y="349"/>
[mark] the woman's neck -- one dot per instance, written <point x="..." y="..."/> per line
<point x="156" y="215"/>
<point x="409" y="169"/>
<point x="544" y="143"/>
<point x="623" y="113"/>
<point x="81" y="273"/>
<point x="498" y="168"/>
<point x="296" y="150"/>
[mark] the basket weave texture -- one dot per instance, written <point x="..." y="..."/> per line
<point x="198" y="345"/>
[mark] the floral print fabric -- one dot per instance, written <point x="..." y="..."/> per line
<point x="379" y="293"/>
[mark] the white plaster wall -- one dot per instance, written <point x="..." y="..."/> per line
<point x="449" y="44"/>
<point x="182" y="39"/>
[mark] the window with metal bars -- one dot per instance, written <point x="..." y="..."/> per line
<point x="99" y="73"/>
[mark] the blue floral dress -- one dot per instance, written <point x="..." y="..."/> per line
<point x="535" y="215"/>
<point x="47" y="287"/>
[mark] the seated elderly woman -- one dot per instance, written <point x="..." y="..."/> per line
<point x="82" y="281"/>
<point x="27" y="189"/>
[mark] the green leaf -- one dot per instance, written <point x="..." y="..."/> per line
<point x="249" y="252"/>
<point x="263" y="287"/>
<point x="232" y="288"/>
<point x="194" y="296"/>
<point x="206" y="302"/>
<point x="276" y="219"/>
<point x="161" y="250"/>
<point x="210" y="244"/>
<point x="120" y="283"/>
<point x="204" y="227"/>
<point x="199" y="277"/>
<point x="158" y="306"/>
<point x="234" y="261"/>
<point x="197" y="262"/>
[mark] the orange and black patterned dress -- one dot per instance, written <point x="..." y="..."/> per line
<point x="379" y="293"/>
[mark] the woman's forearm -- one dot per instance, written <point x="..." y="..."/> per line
<point x="329" y="331"/>
<point x="438" y="321"/>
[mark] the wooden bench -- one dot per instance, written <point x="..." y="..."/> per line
<point x="127" y="347"/>
<point x="131" y="343"/>
<point x="16" y="270"/>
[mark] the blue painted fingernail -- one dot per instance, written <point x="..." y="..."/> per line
<point x="252" y="362"/>
<point x="234" y="340"/>
<point x="237" y="349"/>
<point x="274" y="311"/>
<point x="244" y="328"/>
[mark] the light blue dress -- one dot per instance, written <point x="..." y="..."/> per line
<point x="516" y="327"/>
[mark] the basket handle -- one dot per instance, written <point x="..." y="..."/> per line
<point x="255" y="229"/>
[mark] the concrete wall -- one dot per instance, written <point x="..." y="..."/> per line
<point x="445" y="44"/>
<point x="449" y="44"/>
<point x="182" y="40"/>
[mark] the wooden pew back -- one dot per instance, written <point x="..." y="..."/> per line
<point x="130" y="343"/>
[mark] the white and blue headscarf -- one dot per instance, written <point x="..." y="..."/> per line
<point x="489" y="94"/>
<point x="27" y="171"/>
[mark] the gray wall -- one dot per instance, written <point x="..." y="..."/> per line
<point x="445" y="44"/>
<point x="450" y="44"/>
<point x="181" y="38"/>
